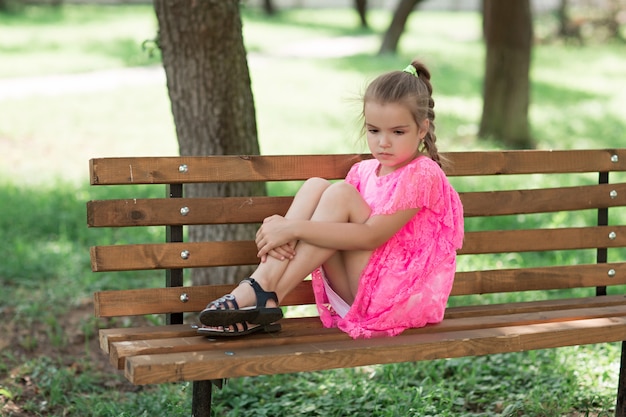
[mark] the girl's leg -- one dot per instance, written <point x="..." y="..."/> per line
<point x="303" y="206"/>
<point x="338" y="202"/>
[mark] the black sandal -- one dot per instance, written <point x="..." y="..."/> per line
<point x="233" y="330"/>
<point x="226" y="312"/>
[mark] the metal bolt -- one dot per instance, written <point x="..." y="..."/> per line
<point x="184" y="297"/>
<point x="612" y="273"/>
<point x="614" y="158"/>
<point x="612" y="235"/>
<point x="183" y="168"/>
<point x="184" y="254"/>
<point x="184" y="211"/>
<point x="613" y="194"/>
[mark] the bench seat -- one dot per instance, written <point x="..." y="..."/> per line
<point x="304" y="345"/>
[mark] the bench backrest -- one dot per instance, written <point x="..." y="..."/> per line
<point x="522" y="219"/>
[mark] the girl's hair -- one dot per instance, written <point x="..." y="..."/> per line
<point x="413" y="90"/>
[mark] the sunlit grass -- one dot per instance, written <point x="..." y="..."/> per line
<point x="73" y="39"/>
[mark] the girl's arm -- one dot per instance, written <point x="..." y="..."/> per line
<point x="276" y="231"/>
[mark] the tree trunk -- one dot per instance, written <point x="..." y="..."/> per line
<point x="508" y="37"/>
<point x="400" y="17"/>
<point x="7" y="6"/>
<point x="361" y="8"/>
<point x="563" y="18"/>
<point x="614" y="20"/>
<point x="268" y="6"/>
<point x="211" y="98"/>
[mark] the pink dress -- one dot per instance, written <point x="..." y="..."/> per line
<point x="408" y="279"/>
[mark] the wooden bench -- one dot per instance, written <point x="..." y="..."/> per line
<point x="562" y="205"/>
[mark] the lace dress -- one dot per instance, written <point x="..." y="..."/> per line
<point x="408" y="279"/>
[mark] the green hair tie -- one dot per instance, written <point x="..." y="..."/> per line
<point x="411" y="70"/>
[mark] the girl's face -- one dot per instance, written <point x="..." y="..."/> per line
<point x="393" y="136"/>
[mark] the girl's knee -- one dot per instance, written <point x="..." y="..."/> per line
<point x="342" y="194"/>
<point x="341" y="189"/>
<point x="317" y="183"/>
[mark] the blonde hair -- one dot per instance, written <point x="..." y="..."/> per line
<point x="413" y="90"/>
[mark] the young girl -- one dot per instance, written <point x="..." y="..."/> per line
<point x="381" y="245"/>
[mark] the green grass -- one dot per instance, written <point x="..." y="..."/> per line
<point x="496" y="385"/>
<point x="40" y="41"/>
<point x="48" y="249"/>
<point x="304" y="104"/>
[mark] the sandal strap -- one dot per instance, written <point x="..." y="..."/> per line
<point x="224" y="303"/>
<point x="234" y="328"/>
<point x="262" y="296"/>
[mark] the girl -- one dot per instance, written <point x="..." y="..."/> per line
<point x="381" y="246"/>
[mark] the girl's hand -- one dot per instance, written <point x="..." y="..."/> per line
<point x="282" y="252"/>
<point x="274" y="238"/>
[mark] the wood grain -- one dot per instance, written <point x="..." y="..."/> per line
<point x="156" y="354"/>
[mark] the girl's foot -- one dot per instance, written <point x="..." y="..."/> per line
<point x="226" y="312"/>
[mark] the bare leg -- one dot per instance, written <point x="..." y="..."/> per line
<point x="340" y="203"/>
<point x="337" y="203"/>
<point x="303" y="206"/>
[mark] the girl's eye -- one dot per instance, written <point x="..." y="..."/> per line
<point x="372" y="130"/>
<point x="399" y="132"/>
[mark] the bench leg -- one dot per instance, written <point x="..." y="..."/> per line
<point x="201" y="399"/>
<point x="620" y="407"/>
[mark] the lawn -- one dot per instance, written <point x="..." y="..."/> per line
<point x="99" y="93"/>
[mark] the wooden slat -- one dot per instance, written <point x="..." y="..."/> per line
<point x="228" y="253"/>
<point x="108" y="336"/>
<point x="168" y="255"/>
<point x="535" y="162"/>
<point x="503" y="241"/>
<point x="167" y="211"/>
<point x="533" y="279"/>
<point x="193" y="366"/>
<point x="496" y="203"/>
<point x="167" y="300"/>
<point x="298" y="332"/>
<point x="149" y="336"/>
<point x="166" y="170"/>
<point x="293" y="330"/>
<point x="483" y="310"/>
<point x="130" y="334"/>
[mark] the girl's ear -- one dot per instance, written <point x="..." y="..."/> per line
<point x="423" y="128"/>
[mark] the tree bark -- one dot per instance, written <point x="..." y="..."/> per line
<point x="209" y="88"/>
<point x="508" y="37"/>
<point x="563" y="18"/>
<point x="400" y="17"/>
<point x="361" y="8"/>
